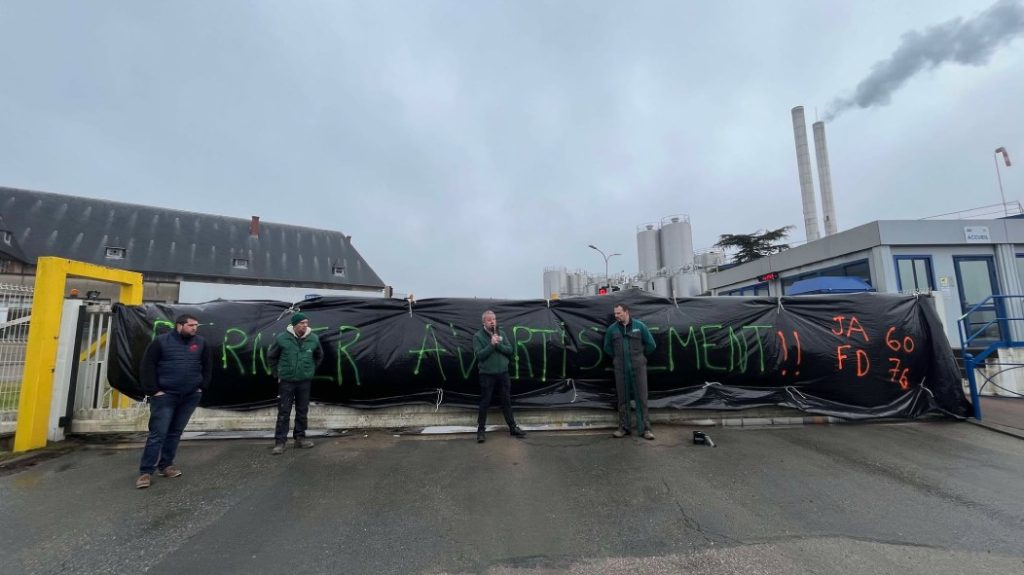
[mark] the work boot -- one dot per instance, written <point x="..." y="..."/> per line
<point x="620" y="433"/>
<point x="170" y="471"/>
<point x="278" y="449"/>
<point x="481" y="436"/>
<point x="143" y="481"/>
<point x="648" y="434"/>
<point x="517" y="432"/>
<point x="303" y="443"/>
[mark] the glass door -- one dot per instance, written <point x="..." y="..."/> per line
<point x="976" y="281"/>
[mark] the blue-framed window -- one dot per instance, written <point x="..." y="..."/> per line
<point x="914" y="273"/>
<point x="754" y="289"/>
<point x="858" y="269"/>
<point x="1020" y="268"/>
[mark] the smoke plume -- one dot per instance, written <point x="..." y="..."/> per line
<point x="969" y="42"/>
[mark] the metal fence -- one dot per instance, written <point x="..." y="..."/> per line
<point x="15" y="313"/>
<point x="92" y="390"/>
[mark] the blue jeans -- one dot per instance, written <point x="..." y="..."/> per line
<point x="168" y="415"/>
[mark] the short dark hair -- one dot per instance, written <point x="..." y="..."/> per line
<point x="184" y="318"/>
<point x="624" y="307"/>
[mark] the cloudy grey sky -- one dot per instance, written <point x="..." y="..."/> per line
<point x="467" y="145"/>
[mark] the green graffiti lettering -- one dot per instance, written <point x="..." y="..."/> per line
<point x="705" y="345"/>
<point x="565" y="352"/>
<point x="158" y="324"/>
<point x="259" y="352"/>
<point x="437" y="350"/>
<point x="691" y="338"/>
<point x="584" y="341"/>
<point x="463" y="368"/>
<point x="544" y="333"/>
<point x="760" y="345"/>
<point x="517" y="343"/>
<point x="227" y="348"/>
<point x="344" y="356"/>
<point x="737" y="351"/>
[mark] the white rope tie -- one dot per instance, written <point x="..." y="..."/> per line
<point x="572" y="382"/>
<point x="792" y="390"/>
<point x="291" y="309"/>
<point x="440" y="398"/>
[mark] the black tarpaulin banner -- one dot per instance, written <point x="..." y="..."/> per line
<point x="855" y="356"/>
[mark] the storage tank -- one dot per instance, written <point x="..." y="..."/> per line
<point x="676" y="243"/>
<point x="571" y="285"/>
<point x="709" y="259"/>
<point x="648" y="249"/>
<point x="554" y="281"/>
<point x="686" y="285"/>
<point x="663" y="286"/>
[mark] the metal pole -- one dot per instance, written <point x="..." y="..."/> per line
<point x="607" y="279"/>
<point x="999" y="179"/>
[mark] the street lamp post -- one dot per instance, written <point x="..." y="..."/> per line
<point x="999" y="178"/>
<point x="606" y="258"/>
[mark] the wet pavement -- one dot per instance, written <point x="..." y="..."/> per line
<point x="934" y="498"/>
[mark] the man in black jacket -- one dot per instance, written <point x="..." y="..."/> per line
<point x="176" y="368"/>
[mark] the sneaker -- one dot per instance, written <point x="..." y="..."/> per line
<point x="278" y="449"/>
<point x="517" y="432"/>
<point x="620" y="433"/>
<point x="648" y="434"/>
<point x="143" y="481"/>
<point x="303" y="443"/>
<point x="170" y="471"/>
<point x="481" y="436"/>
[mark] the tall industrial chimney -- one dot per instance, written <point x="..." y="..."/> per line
<point x="803" y="163"/>
<point x="828" y="207"/>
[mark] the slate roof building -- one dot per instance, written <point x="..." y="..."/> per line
<point x="170" y="247"/>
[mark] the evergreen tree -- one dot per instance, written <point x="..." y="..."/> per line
<point x="756" y="245"/>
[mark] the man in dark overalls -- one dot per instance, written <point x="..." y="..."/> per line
<point x="629" y="342"/>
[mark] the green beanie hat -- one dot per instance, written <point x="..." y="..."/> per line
<point x="298" y="317"/>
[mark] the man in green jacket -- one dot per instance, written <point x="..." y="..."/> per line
<point x="293" y="358"/>
<point x="493" y="352"/>
<point x="629" y="342"/>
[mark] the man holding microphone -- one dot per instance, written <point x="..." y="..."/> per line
<point x="493" y="353"/>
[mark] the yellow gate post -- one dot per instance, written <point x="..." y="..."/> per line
<point x="41" y="354"/>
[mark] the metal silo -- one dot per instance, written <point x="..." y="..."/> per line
<point x="554" y="281"/>
<point x="676" y="243"/>
<point x="571" y="284"/>
<point x="686" y="285"/>
<point x="663" y="286"/>
<point x="582" y="280"/>
<point x="648" y="249"/>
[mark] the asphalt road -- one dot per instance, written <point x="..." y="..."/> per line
<point x="914" y="498"/>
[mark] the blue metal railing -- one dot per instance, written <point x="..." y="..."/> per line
<point x="997" y="304"/>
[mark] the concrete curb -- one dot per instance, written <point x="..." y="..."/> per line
<point x="1004" y="429"/>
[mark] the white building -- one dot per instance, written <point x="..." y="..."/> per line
<point x="961" y="262"/>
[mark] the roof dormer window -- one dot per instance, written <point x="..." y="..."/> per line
<point x="240" y="263"/>
<point x="115" y="253"/>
